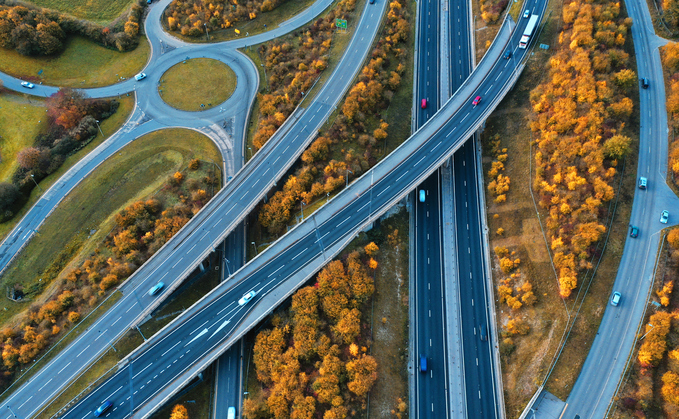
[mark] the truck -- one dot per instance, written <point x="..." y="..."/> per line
<point x="528" y="32"/>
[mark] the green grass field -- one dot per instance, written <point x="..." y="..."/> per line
<point x="108" y="127"/>
<point x="82" y="64"/>
<point x="100" y="11"/>
<point x="191" y="83"/>
<point x="20" y="122"/>
<point x="137" y="172"/>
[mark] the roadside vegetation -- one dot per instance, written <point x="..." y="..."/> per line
<point x="85" y="249"/>
<point x="71" y="123"/>
<point x="191" y="18"/>
<point x="670" y="59"/>
<point x="182" y="89"/>
<point x="27" y="136"/>
<point x="569" y="159"/>
<point x="319" y="357"/>
<point x="651" y="388"/>
<point x="357" y="138"/>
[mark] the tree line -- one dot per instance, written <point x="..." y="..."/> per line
<point x="578" y="124"/>
<point x="314" y="362"/>
<point x="33" y="31"/>
<point x="349" y="144"/>
<point x="192" y="17"/>
<point x="670" y="59"/>
<point x="71" y="125"/>
<point x="491" y="9"/>
<point x="140" y="230"/>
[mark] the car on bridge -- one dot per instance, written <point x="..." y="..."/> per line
<point x="423" y="104"/>
<point x="476" y="100"/>
<point x="423" y="195"/>
<point x="156" y="288"/>
<point x="246" y="298"/>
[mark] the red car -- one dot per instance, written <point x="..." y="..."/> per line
<point x="477" y="100"/>
<point x="424" y="104"/>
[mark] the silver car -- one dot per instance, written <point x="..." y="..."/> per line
<point x="664" y="216"/>
<point x="246" y="298"/>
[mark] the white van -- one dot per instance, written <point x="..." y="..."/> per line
<point x="231" y="413"/>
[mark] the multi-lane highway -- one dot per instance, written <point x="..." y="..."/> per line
<point x="300" y="253"/>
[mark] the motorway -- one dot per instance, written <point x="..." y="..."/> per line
<point x="607" y="359"/>
<point x="198" y="238"/>
<point x="192" y="340"/>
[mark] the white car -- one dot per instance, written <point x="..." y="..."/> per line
<point x="526" y="14"/>
<point x="27" y="85"/>
<point x="246" y="298"/>
<point x="140" y="76"/>
<point x="616" y="299"/>
<point x="664" y="216"/>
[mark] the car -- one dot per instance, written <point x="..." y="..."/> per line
<point x="140" y="76"/>
<point x="423" y="363"/>
<point x="372" y="2"/>
<point x="642" y="182"/>
<point x="645" y="83"/>
<point x="231" y="413"/>
<point x="664" y="216"/>
<point x="508" y="54"/>
<point x="482" y="333"/>
<point x="246" y="298"/>
<point x="423" y="104"/>
<point x="526" y="14"/>
<point x="103" y="408"/>
<point x="476" y="100"/>
<point x="27" y="85"/>
<point x="634" y="232"/>
<point x="156" y="288"/>
<point x="423" y="195"/>
<point x="616" y="299"/>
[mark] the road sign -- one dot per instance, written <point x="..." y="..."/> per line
<point x="341" y="23"/>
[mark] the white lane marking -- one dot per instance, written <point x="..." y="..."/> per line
<point x="112" y="394"/>
<point x="43" y="386"/>
<point x="61" y="370"/>
<point x="22" y="404"/>
<point x="145" y="368"/>
<point x="164" y="353"/>
<point x="281" y="267"/>
<point x="364" y="205"/>
<point x="192" y="247"/>
<point x="465" y="117"/>
<point x="197" y="336"/>
<point x="114" y="323"/>
<point x="182" y="257"/>
<point x="81" y="352"/>
<point x="383" y="191"/>
<point x="219" y="328"/>
<point x="419" y="161"/>
<point x="128" y="310"/>
<point x="198" y="328"/>
<point x="399" y="178"/>
<point x="348" y="218"/>
<point x="436" y="146"/>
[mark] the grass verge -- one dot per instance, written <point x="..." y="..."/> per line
<point x="82" y="64"/>
<point x="86" y="214"/>
<point x="108" y="126"/>
<point x="262" y="23"/>
<point x="21" y="119"/>
<point x="100" y="11"/>
<point x="182" y="89"/>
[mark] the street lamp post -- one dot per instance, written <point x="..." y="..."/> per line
<point x="327" y="197"/>
<point x="250" y="148"/>
<point x="255" y="246"/>
<point x="649" y="331"/>
<point x="303" y="204"/>
<point x="206" y="31"/>
<point x="347" y="178"/>
<point x="36" y="183"/>
<point x="227" y="266"/>
<point x="99" y="126"/>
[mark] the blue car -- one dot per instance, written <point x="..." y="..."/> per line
<point x="156" y="288"/>
<point x="423" y="195"/>
<point x="423" y="363"/>
<point x="103" y="408"/>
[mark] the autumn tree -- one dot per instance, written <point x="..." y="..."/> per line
<point x="179" y="412"/>
<point x="362" y="374"/>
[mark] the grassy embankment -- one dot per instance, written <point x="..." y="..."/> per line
<point x="100" y="11"/>
<point x="17" y="136"/>
<point x="182" y="89"/>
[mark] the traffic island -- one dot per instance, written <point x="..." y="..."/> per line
<point x="197" y="84"/>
